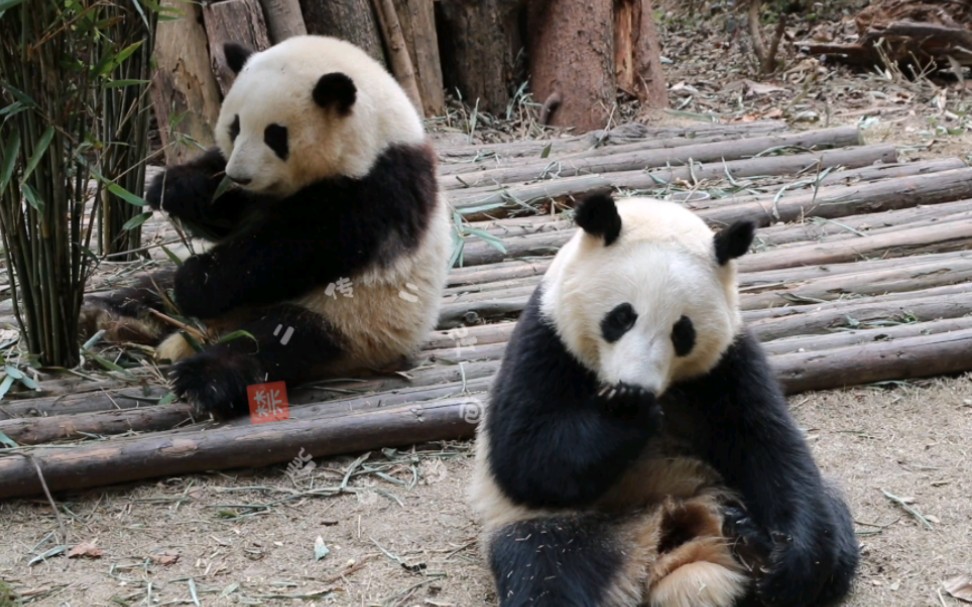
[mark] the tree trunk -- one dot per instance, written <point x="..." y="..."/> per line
<point x="284" y="19"/>
<point x="417" y="19"/>
<point x="582" y="53"/>
<point x="184" y="93"/>
<point x="239" y="21"/>
<point x="351" y="20"/>
<point x="479" y="41"/>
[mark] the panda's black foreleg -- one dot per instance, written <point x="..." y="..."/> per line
<point x="285" y="343"/>
<point x="186" y="192"/>
<point x="803" y="533"/>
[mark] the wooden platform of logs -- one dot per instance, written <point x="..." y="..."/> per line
<point x="862" y="273"/>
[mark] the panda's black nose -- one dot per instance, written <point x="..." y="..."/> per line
<point x="239" y="180"/>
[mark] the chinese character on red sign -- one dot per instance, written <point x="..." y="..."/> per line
<point x="268" y="402"/>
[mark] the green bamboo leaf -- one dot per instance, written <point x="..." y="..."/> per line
<point x="481" y="208"/>
<point x="223" y="187"/>
<point x="118" y="84"/>
<point x="136" y="221"/>
<point x="10" y="151"/>
<point x="33" y="198"/>
<point x="35" y="158"/>
<point x="5" y="385"/>
<point x="13" y="109"/>
<point x="13" y="372"/>
<point x="240" y="334"/>
<point x="491" y="240"/>
<point x="168" y="399"/>
<point x="192" y="341"/>
<point x="109" y="63"/>
<point x="172" y="256"/>
<point x="125" y="195"/>
<point x="8" y="4"/>
<point x="5" y="440"/>
<point x="545" y="152"/>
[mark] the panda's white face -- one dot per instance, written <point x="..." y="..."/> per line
<point x="307" y="109"/>
<point x="652" y="307"/>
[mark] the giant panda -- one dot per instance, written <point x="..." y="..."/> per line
<point x="331" y="248"/>
<point x="636" y="448"/>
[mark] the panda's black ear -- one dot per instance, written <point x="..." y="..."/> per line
<point x="236" y="56"/>
<point x="336" y="90"/>
<point x="734" y="241"/>
<point x="598" y="216"/>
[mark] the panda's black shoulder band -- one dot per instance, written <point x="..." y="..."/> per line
<point x="598" y="216"/>
<point x="734" y="241"/>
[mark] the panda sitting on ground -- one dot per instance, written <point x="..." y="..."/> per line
<point x="637" y="448"/>
<point x="335" y="188"/>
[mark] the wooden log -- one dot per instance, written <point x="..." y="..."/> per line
<point x="898" y="243"/>
<point x="906" y="358"/>
<point x="629" y="132"/>
<point x="239" y="21"/>
<point x="929" y="304"/>
<point x="708" y="152"/>
<point x="901" y="277"/>
<point x="582" y="185"/>
<point x="80" y="401"/>
<point x="840" y="201"/>
<point x="129" y="459"/>
<point x="284" y="19"/>
<point x="185" y="96"/>
<point x="417" y="18"/>
<point x="398" y="57"/>
<point x="351" y="20"/>
<point x="854" y="226"/>
<point x="857" y="337"/>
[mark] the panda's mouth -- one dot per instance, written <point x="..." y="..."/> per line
<point x="622" y="390"/>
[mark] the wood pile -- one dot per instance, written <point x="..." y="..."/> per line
<point x="907" y="32"/>
<point x="862" y="272"/>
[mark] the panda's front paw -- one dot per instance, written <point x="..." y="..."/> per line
<point x="199" y="289"/>
<point x="630" y="403"/>
<point x="182" y="191"/>
<point x="215" y="381"/>
<point x="750" y="542"/>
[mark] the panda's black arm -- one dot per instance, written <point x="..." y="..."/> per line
<point x="186" y="191"/>
<point x="740" y="422"/>
<point x="553" y="443"/>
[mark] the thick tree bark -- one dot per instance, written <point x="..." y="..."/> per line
<point x="479" y="42"/>
<point x="351" y="20"/>
<point x="284" y="19"/>
<point x="239" y="21"/>
<point x="417" y="20"/>
<point x="185" y="96"/>
<point x="582" y="53"/>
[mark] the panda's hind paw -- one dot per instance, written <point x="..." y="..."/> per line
<point x="215" y="381"/>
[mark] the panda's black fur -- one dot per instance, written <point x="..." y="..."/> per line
<point x="556" y="442"/>
<point x="274" y="251"/>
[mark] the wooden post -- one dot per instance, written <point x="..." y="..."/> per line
<point x="284" y="18"/>
<point x="351" y="20"/>
<point x="417" y="18"/>
<point x="401" y="62"/>
<point x="239" y="21"/>
<point x="185" y="96"/>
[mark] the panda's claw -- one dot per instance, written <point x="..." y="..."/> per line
<point x="214" y="381"/>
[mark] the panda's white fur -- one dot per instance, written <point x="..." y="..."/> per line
<point x="335" y="181"/>
<point x="675" y="247"/>
<point x="655" y="464"/>
<point x="277" y="84"/>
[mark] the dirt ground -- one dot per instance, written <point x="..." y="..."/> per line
<point x="400" y="533"/>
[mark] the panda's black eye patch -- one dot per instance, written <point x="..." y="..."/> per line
<point x="234" y="128"/>
<point x="275" y="136"/>
<point x="683" y="336"/>
<point x="617" y="322"/>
